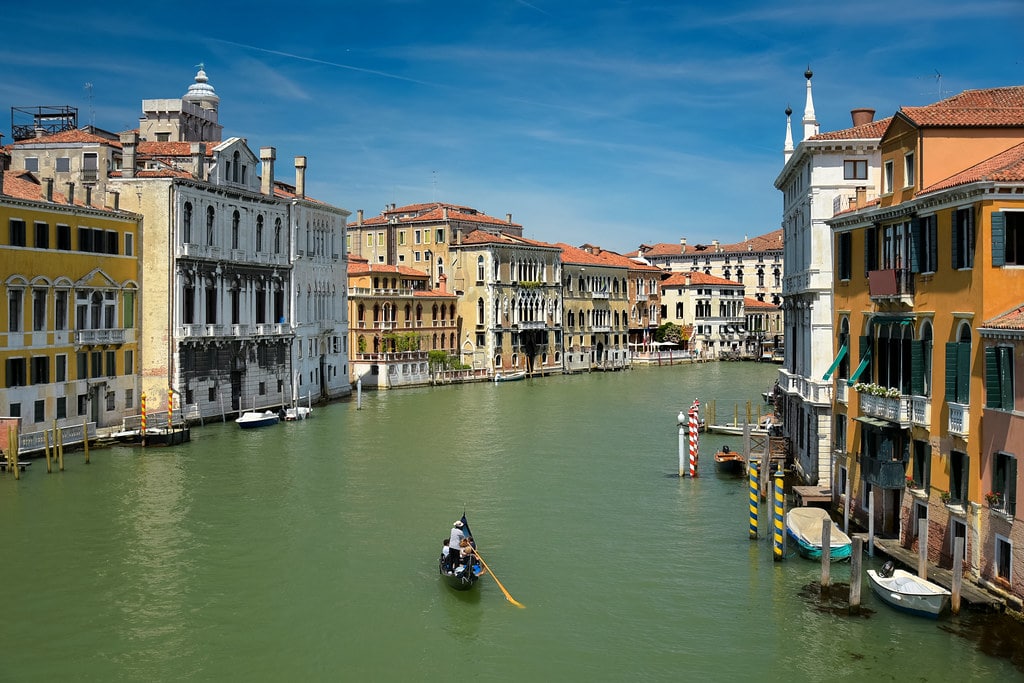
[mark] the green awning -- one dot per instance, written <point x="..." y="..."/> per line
<point x="875" y="422"/>
<point x="836" y="362"/>
<point x="892" y="318"/>
<point x="860" y="369"/>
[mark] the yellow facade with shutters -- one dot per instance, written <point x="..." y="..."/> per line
<point x="69" y="324"/>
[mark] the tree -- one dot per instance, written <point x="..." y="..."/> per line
<point x="669" y="332"/>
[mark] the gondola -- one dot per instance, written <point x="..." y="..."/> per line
<point x="463" y="577"/>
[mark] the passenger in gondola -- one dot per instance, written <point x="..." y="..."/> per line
<point x="465" y="554"/>
<point x="454" y="542"/>
<point x="446" y="563"/>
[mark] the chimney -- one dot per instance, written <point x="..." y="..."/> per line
<point x="359" y="217"/>
<point x="117" y="200"/>
<point x="861" y="196"/>
<point x="508" y="217"/>
<point x="198" y="160"/>
<point x="714" y="243"/>
<point x="48" y="189"/>
<point x="458" y="237"/>
<point x="442" y="283"/>
<point x="862" y="116"/>
<point x="682" y="245"/>
<point x="71" y="193"/>
<point x="444" y="212"/>
<point x="129" y="141"/>
<point x="88" y="195"/>
<point x="300" y="177"/>
<point x="267" y="157"/>
<point x="689" y="279"/>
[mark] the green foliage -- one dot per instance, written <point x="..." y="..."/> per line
<point x="405" y="341"/>
<point x="441" y="360"/>
<point x="669" y="332"/>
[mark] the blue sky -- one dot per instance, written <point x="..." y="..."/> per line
<point x="603" y="121"/>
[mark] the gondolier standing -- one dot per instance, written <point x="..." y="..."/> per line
<point x="455" y="542"/>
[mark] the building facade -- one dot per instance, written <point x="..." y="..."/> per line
<point x="824" y="174"/>
<point x="70" y="327"/>
<point x="712" y="306"/>
<point x="595" y="310"/>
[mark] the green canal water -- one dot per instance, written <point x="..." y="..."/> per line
<point x="307" y="551"/>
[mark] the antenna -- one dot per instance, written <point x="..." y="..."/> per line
<point x="434" y="197"/>
<point x="92" y="110"/>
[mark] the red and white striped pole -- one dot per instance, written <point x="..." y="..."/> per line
<point x="694" y="410"/>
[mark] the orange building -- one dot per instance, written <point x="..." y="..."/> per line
<point x="917" y="272"/>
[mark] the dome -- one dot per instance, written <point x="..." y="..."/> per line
<point x="201" y="92"/>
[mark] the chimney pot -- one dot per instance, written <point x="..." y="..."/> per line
<point x="359" y="217"/>
<point x="71" y="193"/>
<point x="129" y="141"/>
<point x="267" y="157"/>
<point x="862" y="116"/>
<point x="117" y="201"/>
<point x="508" y="217"/>
<point x="300" y="177"/>
<point x="88" y="195"/>
<point x="48" y="189"/>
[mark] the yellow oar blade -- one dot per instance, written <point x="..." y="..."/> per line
<point x="508" y="596"/>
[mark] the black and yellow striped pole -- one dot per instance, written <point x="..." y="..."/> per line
<point x="752" y="471"/>
<point x="780" y="504"/>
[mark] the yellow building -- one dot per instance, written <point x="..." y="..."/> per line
<point x="595" y="309"/>
<point x="69" y="331"/>
<point x="917" y="273"/>
<point x="396" y="321"/>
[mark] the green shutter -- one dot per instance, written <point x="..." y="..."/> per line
<point x="998" y="238"/>
<point x="865" y="359"/>
<point x="970" y="238"/>
<point x="917" y="367"/>
<point x="955" y="242"/>
<point x="836" y="362"/>
<point x="933" y="245"/>
<point x="916" y="245"/>
<point x="1005" y="356"/>
<point x="963" y="372"/>
<point x="951" y="371"/>
<point x="1011" y="486"/>
<point x="992" y="393"/>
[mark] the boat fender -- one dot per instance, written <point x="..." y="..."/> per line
<point x="887" y="569"/>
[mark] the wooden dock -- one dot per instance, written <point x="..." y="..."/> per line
<point x="977" y="598"/>
<point x="812" y="495"/>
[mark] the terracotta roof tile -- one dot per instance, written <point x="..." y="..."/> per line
<point x="171" y="149"/>
<point x="751" y="303"/>
<point x="24" y="185"/>
<point x="866" y="131"/>
<point x="434" y="213"/>
<point x="577" y="256"/>
<point x="76" y="136"/>
<point x="1011" y="320"/>
<point x="771" y="241"/>
<point x="1007" y="167"/>
<point x="992" y="107"/>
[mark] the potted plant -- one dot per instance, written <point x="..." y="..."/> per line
<point x="946" y="496"/>
<point x="994" y="499"/>
<point x="911" y="484"/>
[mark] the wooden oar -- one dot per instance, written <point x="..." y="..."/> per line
<point x="508" y="596"/>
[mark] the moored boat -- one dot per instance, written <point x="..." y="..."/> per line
<point x="461" y="577"/>
<point x="297" y="413"/>
<point x="256" y="418"/>
<point x="803" y="525"/>
<point x="728" y="461"/>
<point x="509" y="376"/>
<point x="908" y="592"/>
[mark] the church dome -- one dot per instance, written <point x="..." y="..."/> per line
<point x="201" y="92"/>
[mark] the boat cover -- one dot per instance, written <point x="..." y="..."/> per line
<point x="805" y="523"/>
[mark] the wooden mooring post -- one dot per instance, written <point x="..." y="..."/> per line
<point x="85" y="438"/>
<point x="826" y="555"/>
<point x="855" y="574"/>
<point x="46" y="450"/>
<point x="958" y="573"/>
<point x="922" y="549"/>
<point x="752" y="467"/>
<point x="779" y="535"/>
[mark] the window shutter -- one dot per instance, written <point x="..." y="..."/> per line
<point x="1005" y="362"/>
<point x="933" y="244"/>
<point x="992" y="393"/>
<point x="1011" y="486"/>
<point x="870" y="249"/>
<point x="951" y="371"/>
<point x="955" y="246"/>
<point x="917" y="245"/>
<point x="963" y="372"/>
<point x="998" y="238"/>
<point x="969" y="260"/>
<point x="917" y="367"/>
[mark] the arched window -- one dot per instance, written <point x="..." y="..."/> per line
<point x="210" y="215"/>
<point x="235" y="220"/>
<point x="480" y="268"/>
<point x="480" y="311"/>
<point x="187" y="223"/>
<point x="958" y="367"/>
<point x="259" y="233"/>
<point x="277" y="235"/>
<point x="923" y="351"/>
<point x="234" y="166"/>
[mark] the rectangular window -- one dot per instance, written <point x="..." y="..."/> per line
<point x="40" y="370"/>
<point x="924" y="256"/>
<point x="908" y="170"/>
<point x="128" y="302"/>
<point x="110" y="401"/>
<point x="82" y="364"/>
<point x="14" y="410"/>
<point x="61" y="368"/>
<point x="97" y="364"/>
<point x="63" y="165"/>
<point x="60" y="310"/>
<point x="64" y="237"/>
<point x="870" y="249"/>
<point x="958" y="372"/>
<point x="40" y="410"/>
<point x="959" y="476"/>
<point x="62" y="407"/>
<point x="32" y="164"/>
<point x="38" y="310"/>
<point x="844" y="257"/>
<point x="16" y="233"/>
<point x="1004" y="483"/>
<point x="1008" y="238"/>
<point x="921" y="465"/>
<point x="90" y="166"/>
<point x="416" y="256"/>
<point x="380" y="239"/>
<point x="129" y="398"/>
<point x="1004" y="558"/>
<point x="401" y="237"/>
<point x="855" y="169"/>
<point x="16" y="373"/>
<point x="83" y="404"/>
<point x="417" y="237"/>
<point x="129" y="362"/>
<point x="887" y="177"/>
<point x="111" y="242"/>
<point x="84" y="239"/>
<point x="963" y="238"/>
<point x="42" y="235"/>
<point x="439" y="237"/>
<point x="999" y="377"/>
<point x="369" y="239"/>
<point x="111" y="363"/>
<point x="426" y="237"/>
<point x="14" y="310"/>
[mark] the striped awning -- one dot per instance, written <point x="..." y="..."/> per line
<point x="835" y="364"/>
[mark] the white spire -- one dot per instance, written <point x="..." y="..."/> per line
<point x="810" y="123"/>
<point x="787" y="148"/>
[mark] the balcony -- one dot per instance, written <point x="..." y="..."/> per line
<point x="99" y="337"/>
<point x="807" y="388"/>
<point x="271" y="329"/>
<point x="531" y="324"/>
<point x="885" y="408"/>
<point x="921" y="411"/>
<point x="886" y="474"/>
<point x="894" y="285"/>
<point x="599" y="295"/>
<point x="841" y="389"/>
<point x="959" y="419"/>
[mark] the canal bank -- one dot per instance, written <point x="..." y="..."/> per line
<point x="309" y="550"/>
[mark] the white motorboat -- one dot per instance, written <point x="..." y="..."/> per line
<point x="297" y="413"/>
<point x="908" y="592"/>
<point x="256" y="418"/>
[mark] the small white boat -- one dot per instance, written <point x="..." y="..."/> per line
<point x="804" y="524"/>
<point x="908" y="592"/>
<point x="509" y="376"/>
<point x="255" y="418"/>
<point x="297" y="413"/>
